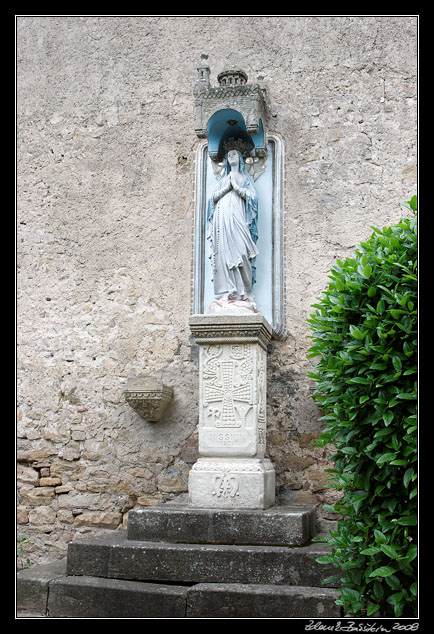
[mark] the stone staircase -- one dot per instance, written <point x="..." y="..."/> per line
<point x="174" y="561"/>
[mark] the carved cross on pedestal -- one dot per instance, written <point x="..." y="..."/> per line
<point x="227" y="393"/>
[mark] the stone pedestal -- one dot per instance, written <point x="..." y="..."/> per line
<point x="232" y="471"/>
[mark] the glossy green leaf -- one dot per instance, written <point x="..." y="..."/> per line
<point x="383" y="571"/>
<point x="410" y="520"/>
<point x="388" y="417"/>
<point x="380" y="538"/>
<point x="408" y="475"/>
<point x="373" y="550"/>
<point x="390" y="551"/>
<point x="386" y="457"/>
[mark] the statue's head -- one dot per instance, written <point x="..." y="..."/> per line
<point x="233" y="157"/>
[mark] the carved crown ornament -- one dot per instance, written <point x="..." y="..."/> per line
<point x="232" y="114"/>
<point x="148" y="397"/>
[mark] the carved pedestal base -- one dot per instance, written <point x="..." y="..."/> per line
<point x="232" y="483"/>
<point x="232" y="471"/>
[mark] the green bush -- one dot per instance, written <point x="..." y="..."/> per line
<point x="365" y="332"/>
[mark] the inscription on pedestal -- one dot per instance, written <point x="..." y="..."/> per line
<point x="226" y="486"/>
<point x="232" y="412"/>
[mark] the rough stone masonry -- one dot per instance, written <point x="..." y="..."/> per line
<point x="105" y="204"/>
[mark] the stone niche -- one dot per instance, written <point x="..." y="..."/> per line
<point x="237" y="111"/>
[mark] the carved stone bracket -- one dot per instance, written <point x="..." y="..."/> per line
<point x="148" y="397"/>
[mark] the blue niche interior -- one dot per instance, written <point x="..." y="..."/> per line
<point x="227" y="124"/>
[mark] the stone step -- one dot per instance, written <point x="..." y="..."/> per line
<point x="117" y="557"/>
<point x="32" y="586"/>
<point x="45" y="591"/>
<point x="93" y="597"/>
<point x="291" y="525"/>
<point x="220" y="600"/>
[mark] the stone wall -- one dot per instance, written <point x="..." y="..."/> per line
<point x="106" y="150"/>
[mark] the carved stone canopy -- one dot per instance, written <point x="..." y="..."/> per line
<point x="234" y="111"/>
<point x="148" y="397"/>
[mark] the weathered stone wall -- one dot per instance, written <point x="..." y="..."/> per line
<point x="106" y="150"/>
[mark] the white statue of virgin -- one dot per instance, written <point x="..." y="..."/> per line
<point x="232" y="230"/>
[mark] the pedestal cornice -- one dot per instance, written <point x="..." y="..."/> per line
<point x="217" y="329"/>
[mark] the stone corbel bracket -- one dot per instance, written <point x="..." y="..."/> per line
<point x="148" y="397"/>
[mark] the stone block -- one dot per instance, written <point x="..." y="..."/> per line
<point x="232" y="483"/>
<point x="42" y="516"/>
<point x="35" y="455"/>
<point x="64" y="488"/>
<point x="213" y="601"/>
<point x="66" y="517"/>
<point x="27" y="474"/>
<point x="90" y="557"/>
<point x="46" y="590"/>
<point x="22" y="515"/>
<point x="117" y="557"/>
<point x="38" y="496"/>
<point x="79" y="501"/>
<point x="50" y="482"/>
<point x="278" y="525"/>
<point x="32" y="586"/>
<point x="99" y="520"/>
<point x="92" y="597"/>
